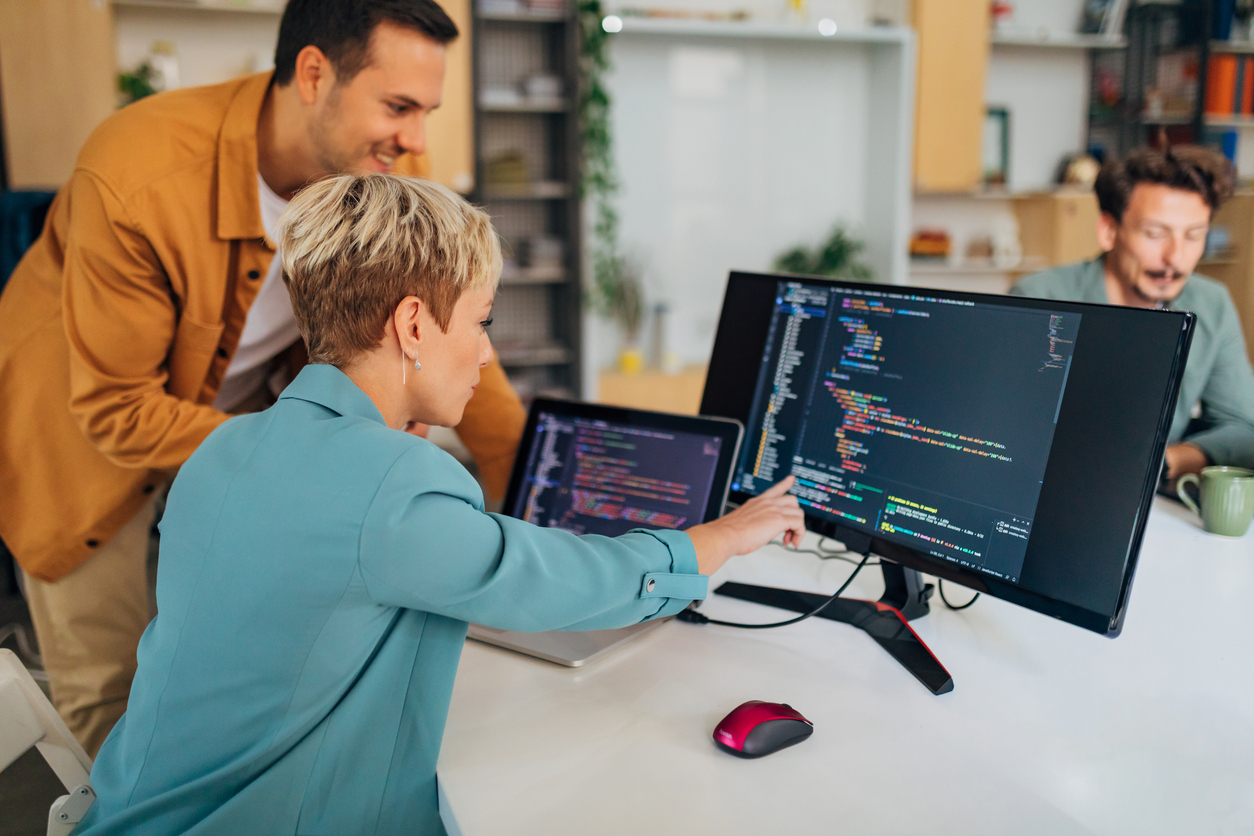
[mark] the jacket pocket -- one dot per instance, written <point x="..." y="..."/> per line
<point x="194" y="344"/>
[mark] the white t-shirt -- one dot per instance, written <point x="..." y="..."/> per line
<point x="270" y="326"/>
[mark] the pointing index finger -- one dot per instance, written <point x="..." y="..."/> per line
<point x="779" y="488"/>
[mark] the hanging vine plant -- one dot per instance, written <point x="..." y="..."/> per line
<point x="614" y="292"/>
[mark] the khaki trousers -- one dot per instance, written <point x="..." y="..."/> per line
<point x="88" y="625"/>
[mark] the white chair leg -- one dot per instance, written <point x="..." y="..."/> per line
<point x="68" y="810"/>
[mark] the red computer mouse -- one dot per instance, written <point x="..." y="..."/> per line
<point x="758" y="728"/>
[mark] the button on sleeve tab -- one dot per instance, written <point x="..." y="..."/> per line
<point x="670" y="585"/>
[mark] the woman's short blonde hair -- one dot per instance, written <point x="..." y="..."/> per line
<point x="353" y="246"/>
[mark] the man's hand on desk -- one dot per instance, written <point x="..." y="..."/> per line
<point x="1181" y="459"/>
<point x="749" y="527"/>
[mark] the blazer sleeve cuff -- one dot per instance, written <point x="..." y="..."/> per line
<point x="683" y="584"/>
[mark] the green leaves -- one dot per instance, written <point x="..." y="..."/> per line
<point x="138" y="83"/>
<point x="837" y="258"/>
<point x="615" y="291"/>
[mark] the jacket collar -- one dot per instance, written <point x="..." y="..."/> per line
<point x="329" y="387"/>
<point x="239" y="208"/>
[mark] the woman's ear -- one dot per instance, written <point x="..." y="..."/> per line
<point x="407" y="319"/>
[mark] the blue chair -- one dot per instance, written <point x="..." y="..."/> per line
<point x="22" y="216"/>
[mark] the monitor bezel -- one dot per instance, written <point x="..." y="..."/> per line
<point x="729" y="430"/>
<point x="726" y="377"/>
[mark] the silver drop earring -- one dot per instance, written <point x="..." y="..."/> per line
<point x="417" y="365"/>
<point x="403" y="365"/>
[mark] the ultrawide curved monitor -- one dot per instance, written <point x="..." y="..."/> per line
<point x="1012" y="445"/>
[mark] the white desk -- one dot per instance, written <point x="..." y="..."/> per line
<point x="1049" y="729"/>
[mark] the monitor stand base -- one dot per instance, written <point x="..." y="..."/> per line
<point x="882" y="620"/>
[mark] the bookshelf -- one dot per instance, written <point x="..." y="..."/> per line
<point x="1053" y="41"/>
<point x="1164" y="72"/>
<point x="527" y="177"/>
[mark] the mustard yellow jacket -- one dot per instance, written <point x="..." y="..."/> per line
<point x="117" y="327"/>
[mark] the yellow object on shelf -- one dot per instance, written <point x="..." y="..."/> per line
<point x="630" y="361"/>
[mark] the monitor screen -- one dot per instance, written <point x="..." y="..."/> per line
<point x="597" y="470"/>
<point x="1009" y="444"/>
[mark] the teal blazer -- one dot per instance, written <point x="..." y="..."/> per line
<point x="317" y="573"/>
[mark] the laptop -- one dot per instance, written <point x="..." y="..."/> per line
<point x="594" y="469"/>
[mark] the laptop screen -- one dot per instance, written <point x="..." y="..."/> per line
<point x="596" y="475"/>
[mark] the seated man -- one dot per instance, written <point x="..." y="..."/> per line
<point x="1156" y="209"/>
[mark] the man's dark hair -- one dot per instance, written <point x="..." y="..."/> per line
<point x="1191" y="168"/>
<point x="342" y="30"/>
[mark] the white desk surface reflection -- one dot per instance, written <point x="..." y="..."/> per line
<point x="1050" y="729"/>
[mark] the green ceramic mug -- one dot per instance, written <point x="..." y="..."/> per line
<point x="1227" y="497"/>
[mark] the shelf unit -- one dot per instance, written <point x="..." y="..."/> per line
<point x="999" y="39"/>
<point x="537" y="315"/>
<point x="1234" y="47"/>
<point x="265" y="8"/>
<point x="1153" y="30"/>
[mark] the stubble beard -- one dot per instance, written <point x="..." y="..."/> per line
<point x="321" y="136"/>
<point x="1131" y="275"/>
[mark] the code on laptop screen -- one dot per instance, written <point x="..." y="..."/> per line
<point x="596" y="477"/>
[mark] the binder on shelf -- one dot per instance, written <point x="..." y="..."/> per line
<point x="1230" y="85"/>
<point x="1221" y="85"/>
<point x="1243" y="102"/>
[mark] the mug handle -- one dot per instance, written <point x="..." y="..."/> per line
<point x="1188" y="478"/>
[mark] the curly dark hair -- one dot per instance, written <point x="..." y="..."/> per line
<point x="1191" y="168"/>
<point x="342" y="30"/>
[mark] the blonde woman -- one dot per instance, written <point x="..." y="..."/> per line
<point x="318" y="567"/>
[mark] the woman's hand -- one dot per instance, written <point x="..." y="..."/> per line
<point x="749" y="528"/>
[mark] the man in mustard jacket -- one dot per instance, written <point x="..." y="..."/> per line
<point x="153" y="306"/>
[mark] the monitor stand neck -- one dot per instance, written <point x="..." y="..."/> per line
<point x="905" y="591"/>
<point x="905" y="597"/>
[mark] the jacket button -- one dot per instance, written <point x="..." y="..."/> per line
<point x="648" y="587"/>
<point x="149" y="488"/>
<point x="254" y="274"/>
<point x="222" y="353"/>
<point x="91" y="544"/>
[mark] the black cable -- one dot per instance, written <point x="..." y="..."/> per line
<point x="825" y="554"/>
<point x="694" y="617"/>
<point x="941" y="586"/>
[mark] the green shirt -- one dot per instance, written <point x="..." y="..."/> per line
<point x="1218" y="377"/>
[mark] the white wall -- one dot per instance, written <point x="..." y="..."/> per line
<point x="732" y="150"/>
<point x="712" y="180"/>
<point x="212" y="46"/>
<point x="1046" y="91"/>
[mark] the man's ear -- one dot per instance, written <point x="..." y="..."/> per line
<point x="314" y="75"/>
<point x="1107" y="228"/>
